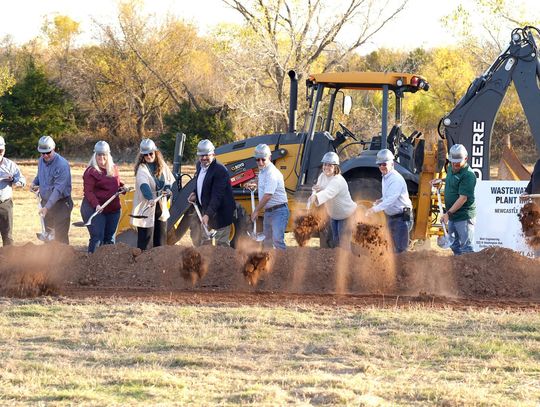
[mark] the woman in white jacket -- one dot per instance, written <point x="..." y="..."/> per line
<point x="332" y="189"/>
<point x="152" y="179"/>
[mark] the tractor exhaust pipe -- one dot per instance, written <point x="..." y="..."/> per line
<point x="293" y="101"/>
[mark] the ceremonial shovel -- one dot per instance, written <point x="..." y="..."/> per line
<point x="107" y="202"/>
<point x="258" y="237"/>
<point x="209" y="233"/>
<point x="445" y="241"/>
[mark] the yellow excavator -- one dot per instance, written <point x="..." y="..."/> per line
<point x="297" y="154"/>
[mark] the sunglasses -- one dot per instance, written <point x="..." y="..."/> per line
<point x="382" y="165"/>
<point x="101" y="155"/>
<point x="148" y="154"/>
<point x="47" y="153"/>
<point x="260" y="159"/>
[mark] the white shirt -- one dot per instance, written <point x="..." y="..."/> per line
<point x="395" y="196"/>
<point x="200" y="181"/>
<point x="271" y="182"/>
<point x="335" y="193"/>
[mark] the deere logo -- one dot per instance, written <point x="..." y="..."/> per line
<point x="237" y="167"/>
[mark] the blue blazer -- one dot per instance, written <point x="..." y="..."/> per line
<point x="217" y="196"/>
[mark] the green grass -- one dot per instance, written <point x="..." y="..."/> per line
<point x="113" y="352"/>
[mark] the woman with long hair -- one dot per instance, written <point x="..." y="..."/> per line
<point x="153" y="180"/>
<point x="101" y="181"/>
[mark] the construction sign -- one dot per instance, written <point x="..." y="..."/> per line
<point x="497" y="210"/>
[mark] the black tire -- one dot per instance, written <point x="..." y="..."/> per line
<point x="128" y="237"/>
<point x="366" y="189"/>
<point x="241" y="224"/>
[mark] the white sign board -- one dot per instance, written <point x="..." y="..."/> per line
<point x="497" y="209"/>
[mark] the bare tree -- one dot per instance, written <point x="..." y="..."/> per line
<point x="287" y="34"/>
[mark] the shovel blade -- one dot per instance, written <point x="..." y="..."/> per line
<point x="444" y="242"/>
<point x="258" y="237"/>
<point x="77" y="224"/>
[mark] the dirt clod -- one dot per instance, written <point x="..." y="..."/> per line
<point x="257" y="264"/>
<point x="305" y="226"/>
<point x="371" y="237"/>
<point x="529" y="216"/>
<point x="193" y="267"/>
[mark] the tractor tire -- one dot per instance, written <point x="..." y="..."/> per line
<point x="365" y="189"/>
<point x="128" y="237"/>
<point x="241" y="225"/>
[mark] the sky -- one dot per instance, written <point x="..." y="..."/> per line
<point x="418" y="26"/>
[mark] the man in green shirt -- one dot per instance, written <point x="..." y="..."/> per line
<point x="459" y="200"/>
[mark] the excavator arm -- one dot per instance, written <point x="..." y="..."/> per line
<point x="471" y="121"/>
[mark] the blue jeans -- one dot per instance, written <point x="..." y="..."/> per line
<point x="341" y="232"/>
<point x="274" y="225"/>
<point x="102" y="228"/>
<point x="463" y="233"/>
<point x="399" y="230"/>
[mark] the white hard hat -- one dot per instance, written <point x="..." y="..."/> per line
<point x="205" y="147"/>
<point x="147" y="146"/>
<point x="102" y="147"/>
<point x="330" y="158"/>
<point x="384" y="156"/>
<point x="262" y="151"/>
<point x="45" y="144"/>
<point x="457" y="153"/>
<point x="2" y="142"/>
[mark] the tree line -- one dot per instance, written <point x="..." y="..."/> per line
<point x="145" y="76"/>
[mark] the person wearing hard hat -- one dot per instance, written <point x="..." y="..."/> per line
<point x="395" y="201"/>
<point x="213" y="195"/>
<point x="332" y="189"/>
<point x="459" y="202"/>
<point x="153" y="181"/>
<point x="10" y="176"/>
<point x="53" y="181"/>
<point x="101" y="181"/>
<point x="272" y="198"/>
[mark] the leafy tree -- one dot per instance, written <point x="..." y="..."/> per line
<point x="34" y="107"/>
<point x="197" y="124"/>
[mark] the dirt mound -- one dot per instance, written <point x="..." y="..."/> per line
<point x="256" y="265"/>
<point x="493" y="273"/>
<point x="34" y="270"/>
<point x="529" y="217"/>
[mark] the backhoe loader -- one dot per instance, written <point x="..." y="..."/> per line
<point x="297" y="154"/>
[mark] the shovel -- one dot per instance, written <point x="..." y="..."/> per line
<point x="209" y="233"/>
<point x="445" y="241"/>
<point x="258" y="237"/>
<point x="44" y="236"/>
<point x="142" y="215"/>
<point x="107" y="202"/>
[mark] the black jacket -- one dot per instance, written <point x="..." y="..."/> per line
<point x="217" y="196"/>
<point x="533" y="187"/>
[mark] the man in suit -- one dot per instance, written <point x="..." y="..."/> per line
<point x="213" y="194"/>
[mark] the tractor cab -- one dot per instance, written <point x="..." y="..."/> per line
<point x="326" y="89"/>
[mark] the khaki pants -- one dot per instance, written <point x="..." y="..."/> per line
<point x="220" y="239"/>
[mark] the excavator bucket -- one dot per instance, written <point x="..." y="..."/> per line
<point x="510" y="166"/>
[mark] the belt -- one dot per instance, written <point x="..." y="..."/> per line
<point x="273" y="208"/>
<point x="399" y="215"/>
